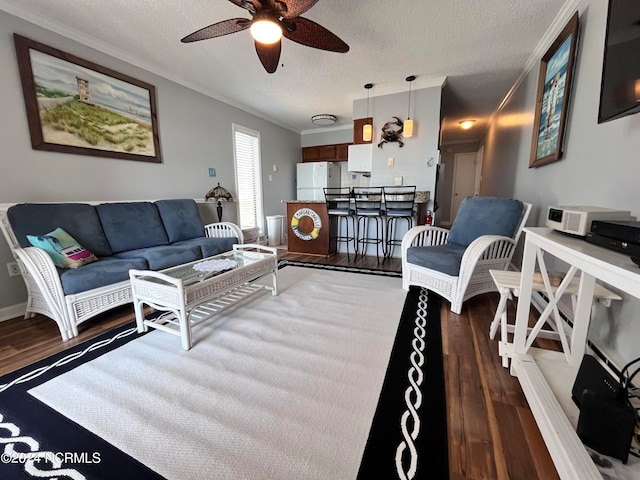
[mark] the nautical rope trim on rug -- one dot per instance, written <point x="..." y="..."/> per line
<point x="69" y="358"/>
<point x="340" y="268"/>
<point x="34" y="456"/>
<point x="413" y="396"/>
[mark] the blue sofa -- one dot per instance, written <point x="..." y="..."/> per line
<point x="122" y="235"/>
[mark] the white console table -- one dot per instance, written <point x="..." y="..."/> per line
<point x="547" y="377"/>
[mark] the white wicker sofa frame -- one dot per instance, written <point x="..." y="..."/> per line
<point x="44" y="288"/>
<point x="487" y="252"/>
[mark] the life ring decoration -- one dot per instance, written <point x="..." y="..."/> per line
<point x="295" y="224"/>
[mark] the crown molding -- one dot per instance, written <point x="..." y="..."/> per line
<point x="72" y="34"/>
<point x="395" y="88"/>
<point x="333" y="128"/>
<point x="565" y="13"/>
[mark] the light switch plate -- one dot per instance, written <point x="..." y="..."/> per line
<point x="390" y="162"/>
<point x="398" y="181"/>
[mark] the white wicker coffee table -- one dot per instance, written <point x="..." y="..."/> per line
<point x="191" y="295"/>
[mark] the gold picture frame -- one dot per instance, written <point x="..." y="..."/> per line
<point x="554" y="91"/>
<point x="76" y="106"/>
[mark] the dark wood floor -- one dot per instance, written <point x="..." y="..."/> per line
<point x="492" y="433"/>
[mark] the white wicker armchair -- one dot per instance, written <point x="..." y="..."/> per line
<point x="487" y="252"/>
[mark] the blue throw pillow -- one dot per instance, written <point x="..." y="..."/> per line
<point x="63" y="249"/>
<point x="479" y="216"/>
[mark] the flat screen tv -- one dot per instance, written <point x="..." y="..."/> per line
<point x="620" y="89"/>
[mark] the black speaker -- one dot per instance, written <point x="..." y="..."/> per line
<point x="606" y="425"/>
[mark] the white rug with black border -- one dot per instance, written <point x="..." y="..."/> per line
<point x="298" y="386"/>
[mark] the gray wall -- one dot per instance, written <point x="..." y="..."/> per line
<point x="410" y="161"/>
<point x="600" y="165"/>
<point x="195" y="133"/>
<point x="327" y="136"/>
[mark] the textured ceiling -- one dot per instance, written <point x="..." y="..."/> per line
<point x="481" y="47"/>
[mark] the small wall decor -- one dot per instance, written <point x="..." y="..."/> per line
<point x="76" y="106"/>
<point x="554" y="90"/>
<point x="391" y="134"/>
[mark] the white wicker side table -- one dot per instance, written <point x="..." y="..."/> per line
<point x="189" y="296"/>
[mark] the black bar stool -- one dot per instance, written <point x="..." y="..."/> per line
<point x="340" y="212"/>
<point x="368" y="202"/>
<point x="399" y="203"/>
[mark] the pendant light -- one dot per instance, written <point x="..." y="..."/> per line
<point x="408" y="124"/>
<point x="367" y="128"/>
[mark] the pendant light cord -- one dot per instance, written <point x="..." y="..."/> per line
<point x="410" y="79"/>
<point x="368" y="86"/>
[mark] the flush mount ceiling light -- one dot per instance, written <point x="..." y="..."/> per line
<point x="367" y="128"/>
<point x="408" y="125"/>
<point x="324" y="119"/>
<point x="466" y="124"/>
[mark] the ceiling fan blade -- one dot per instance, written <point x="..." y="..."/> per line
<point x="219" y="29"/>
<point x="295" y="8"/>
<point x="306" y="32"/>
<point x="250" y="5"/>
<point x="269" y="55"/>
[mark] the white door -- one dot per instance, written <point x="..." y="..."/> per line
<point x="476" y="188"/>
<point x="464" y="180"/>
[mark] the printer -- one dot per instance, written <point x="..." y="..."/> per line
<point x="576" y="220"/>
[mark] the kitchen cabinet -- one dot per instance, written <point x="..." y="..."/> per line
<point x="326" y="153"/>
<point x="360" y="158"/>
<point x="357" y="129"/>
<point x="343" y="151"/>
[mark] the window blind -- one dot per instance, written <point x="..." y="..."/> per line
<point x="248" y="177"/>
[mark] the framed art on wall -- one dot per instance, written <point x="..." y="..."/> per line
<point x="76" y="106"/>
<point x="554" y="89"/>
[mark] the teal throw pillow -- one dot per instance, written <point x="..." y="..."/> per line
<point x="63" y="249"/>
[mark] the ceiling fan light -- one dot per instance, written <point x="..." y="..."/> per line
<point x="367" y="132"/>
<point x="266" y="31"/>
<point x="407" y="130"/>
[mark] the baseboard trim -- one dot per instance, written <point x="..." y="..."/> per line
<point x="13" y="311"/>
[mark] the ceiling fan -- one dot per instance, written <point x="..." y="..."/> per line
<point x="271" y="20"/>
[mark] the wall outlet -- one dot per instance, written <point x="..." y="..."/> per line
<point x="398" y="181"/>
<point x="13" y="268"/>
<point x="212" y="172"/>
<point x="390" y="161"/>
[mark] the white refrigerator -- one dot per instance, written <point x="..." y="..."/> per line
<point x="313" y="177"/>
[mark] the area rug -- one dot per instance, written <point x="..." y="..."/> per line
<point x="298" y="386"/>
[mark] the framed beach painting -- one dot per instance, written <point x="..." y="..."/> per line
<point x="554" y="89"/>
<point x="76" y="106"/>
